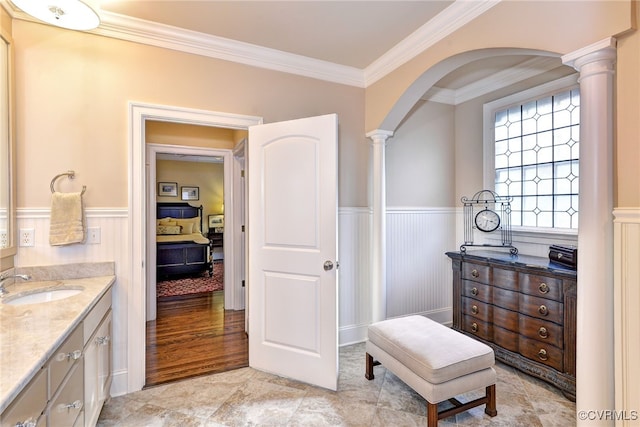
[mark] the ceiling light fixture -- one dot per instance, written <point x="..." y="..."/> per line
<point x="71" y="14"/>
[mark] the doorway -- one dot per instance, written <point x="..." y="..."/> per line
<point x="192" y="333"/>
<point x="140" y="240"/>
<point x="228" y="252"/>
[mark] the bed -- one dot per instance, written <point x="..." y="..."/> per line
<point x="181" y="248"/>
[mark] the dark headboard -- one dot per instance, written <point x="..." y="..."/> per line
<point x="178" y="210"/>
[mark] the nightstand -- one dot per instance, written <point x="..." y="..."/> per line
<point x="216" y="240"/>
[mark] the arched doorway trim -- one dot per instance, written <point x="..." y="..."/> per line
<point x="431" y="76"/>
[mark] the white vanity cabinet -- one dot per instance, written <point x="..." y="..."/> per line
<point x="73" y="384"/>
<point x="97" y="359"/>
<point x="28" y="408"/>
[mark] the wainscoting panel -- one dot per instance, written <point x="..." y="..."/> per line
<point x="354" y="280"/>
<point x="418" y="272"/>
<point x="419" y="276"/>
<point x="113" y="246"/>
<point x="627" y="315"/>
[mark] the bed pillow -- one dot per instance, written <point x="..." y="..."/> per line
<point x="187" y="227"/>
<point x="166" y="221"/>
<point x="168" y="229"/>
<point x="187" y="224"/>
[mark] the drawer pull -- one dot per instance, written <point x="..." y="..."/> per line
<point x="474" y="327"/>
<point x="74" y="355"/>
<point x="543" y="288"/>
<point x="542" y="332"/>
<point x="103" y="340"/>
<point x="474" y="309"/>
<point x="29" y="422"/>
<point x="69" y="406"/>
<point x="475" y="273"/>
<point x="474" y="291"/>
<point x="542" y="354"/>
<point x="543" y="310"/>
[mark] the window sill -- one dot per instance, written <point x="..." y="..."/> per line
<point x="543" y="236"/>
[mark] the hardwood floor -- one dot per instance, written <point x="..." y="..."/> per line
<point x="193" y="335"/>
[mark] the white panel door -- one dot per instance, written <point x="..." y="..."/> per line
<point x="292" y="230"/>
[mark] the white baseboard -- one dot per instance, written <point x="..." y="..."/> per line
<point x="119" y="383"/>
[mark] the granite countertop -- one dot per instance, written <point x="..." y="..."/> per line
<point x="30" y="333"/>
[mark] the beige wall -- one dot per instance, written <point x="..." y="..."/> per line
<point x="192" y="135"/>
<point x="208" y="177"/>
<point x="537" y="25"/>
<point x="533" y="25"/>
<point x="627" y="126"/>
<point x="73" y="90"/>
<point x="436" y="155"/>
<point x="420" y="158"/>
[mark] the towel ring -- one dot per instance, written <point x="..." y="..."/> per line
<point x="71" y="175"/>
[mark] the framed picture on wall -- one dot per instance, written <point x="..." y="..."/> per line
<point x="168" y="189"/>
<point x="216" y="221"/>
<point x="190" y="193"/>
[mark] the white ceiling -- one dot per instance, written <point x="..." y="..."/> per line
<point x="351" y="33"/>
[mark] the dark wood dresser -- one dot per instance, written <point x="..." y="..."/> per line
<point x="524" y="307"/>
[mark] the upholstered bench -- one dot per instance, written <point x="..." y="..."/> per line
<point x="434" y="360"/>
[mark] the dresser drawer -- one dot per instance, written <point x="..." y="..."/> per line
<point x="506" y="339"/>
<point x="541" y="286"/>
<point x="541" y="330"/>
<point x="476" y="272"/>
<point x="543" y="353"/>
<point x="477" y="327"/>
<point x="476" y="290"/>
<point x="476" y="309"/>
<point x="506" y="299"/>
<point x="507" y="279"/>
<point x="506" y="319"/>
<point x="541" y="308"/>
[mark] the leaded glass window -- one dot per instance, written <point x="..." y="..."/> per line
<point x="536" y="160"/>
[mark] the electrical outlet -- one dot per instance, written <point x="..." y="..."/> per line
<point x="27" y="237"/>
<point x="93" y="235"/>
<point x="4" y="240"/>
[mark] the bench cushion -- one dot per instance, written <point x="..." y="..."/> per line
<point x="431" y="350"/>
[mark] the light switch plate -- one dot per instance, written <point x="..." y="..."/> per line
<point x="93" y="235"/>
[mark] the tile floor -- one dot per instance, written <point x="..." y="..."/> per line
<point x="246" y="397"/>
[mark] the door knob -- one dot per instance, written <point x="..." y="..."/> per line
<point x="328" y="265"/>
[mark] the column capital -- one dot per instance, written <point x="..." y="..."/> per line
<point x="379" y="135"/>
<point x="603" y="51"/>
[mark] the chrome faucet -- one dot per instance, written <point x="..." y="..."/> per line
<point x="3" y="279"/>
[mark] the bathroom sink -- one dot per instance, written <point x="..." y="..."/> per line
<point x="42" y="296"/>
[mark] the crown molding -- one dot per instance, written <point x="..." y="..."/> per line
<point x="460" y="13"/>
<point x="504" y="78"/>
<point x="169" y="37"/>
<point x="140" y="31"/>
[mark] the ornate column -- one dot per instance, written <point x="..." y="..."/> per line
<point x="379" y="225"/>
<point x="595" y="329"/>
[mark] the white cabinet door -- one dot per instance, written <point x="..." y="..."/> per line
<point x="97" y="370"/>
<point x="292" y="226"/>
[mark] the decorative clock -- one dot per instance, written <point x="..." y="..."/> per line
<point x="487" y="213"/>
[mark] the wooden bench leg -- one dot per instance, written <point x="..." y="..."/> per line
<point x="368" y="374"/>
<point x="489" y="400"/>
<point x="490" y="408"/>
<point x="432" y="414"/>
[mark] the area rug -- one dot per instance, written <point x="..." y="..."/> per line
<point x="193" y="285"/>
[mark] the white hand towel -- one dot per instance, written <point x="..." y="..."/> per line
<point x="67" y="219"/>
